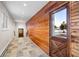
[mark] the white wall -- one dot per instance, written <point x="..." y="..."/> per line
<point x="20" y="25"/>
<point x="6" y="35"/>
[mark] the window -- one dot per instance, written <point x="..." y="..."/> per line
<point x="59" y="23"/>
<point x="3" y="21"/>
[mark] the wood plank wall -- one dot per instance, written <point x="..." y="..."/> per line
<point x="39" y="32"/>
<point x="74" y="15"/>
<point x="38" y="28"/>
<point x="38" y="25"/>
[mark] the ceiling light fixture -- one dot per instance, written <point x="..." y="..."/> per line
<point x="25" y="4"/>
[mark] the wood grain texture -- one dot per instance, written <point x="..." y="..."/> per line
<point x="38" y="25"/>
<point x="63" y="46"/>
<point x="39" y="32"/>
<point x="38" y="28"/>
<point x="74" y="15"/>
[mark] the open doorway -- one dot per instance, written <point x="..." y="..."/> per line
<point x="59" y="32"/>
<point x="20" y="32"/>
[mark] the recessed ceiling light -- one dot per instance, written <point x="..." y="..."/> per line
<point x="25" y="4"/>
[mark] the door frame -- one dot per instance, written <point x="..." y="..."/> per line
<point x="66" y="5"/>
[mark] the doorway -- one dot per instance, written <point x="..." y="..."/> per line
<point x="59" y="32"/>
<point x="20" y="32"/>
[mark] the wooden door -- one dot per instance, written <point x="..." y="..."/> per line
<point x="20" y="32"/>
<point x="59" y="33"/>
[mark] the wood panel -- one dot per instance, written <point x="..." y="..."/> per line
<point x="74" y="13"/>
<point x="58" y="47"/>
<point x="38" y="25"/>
<point x="38" y="28"/>
<point x="39" y="31"/>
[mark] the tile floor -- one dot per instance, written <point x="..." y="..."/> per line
<point x="24" y="47"/>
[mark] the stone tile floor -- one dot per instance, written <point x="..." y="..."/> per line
<point x="24" y="47"/>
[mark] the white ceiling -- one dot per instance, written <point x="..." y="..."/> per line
<point x="21" y="12"/>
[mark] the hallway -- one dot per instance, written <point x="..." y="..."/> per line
<point x="23" y="47"/>
<point x="39" y="28"/>
<point x="13" y="29"/>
